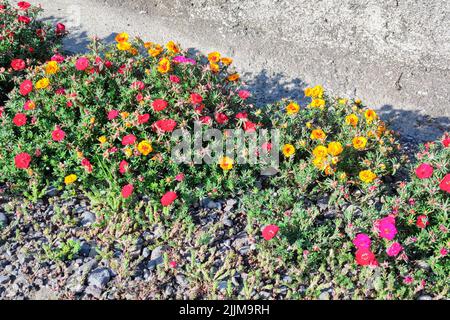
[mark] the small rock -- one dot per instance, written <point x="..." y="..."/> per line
<point x="324" y="296"/>
<point x="322" y="203"/>
<point x="425" y="297"/>
<point x="422" y="264"/>
<point x="223" y="285"/>
<point x="99" y="277"/>
<point x="3" y="220"/>
<point x="87" y="218"/>
<point x="4" y="279"/>
<point x="94" y="291"/>
<point x="51" y="191"/>
<point x="85" y="249"/>
<point x="287" y="279"/>
<point x="156" y="258"/>
<point x="227" y="222"/>
<point x="181" y="280"/>
<point x="145" y="252"/>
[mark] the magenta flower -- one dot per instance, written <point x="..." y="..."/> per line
<point x="394" y="249"/>
<point x="362" y="240"/>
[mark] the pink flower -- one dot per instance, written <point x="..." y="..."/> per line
<point x="422" y="221"/>
<point x="394" y="249"/>
<point x="58" y="135"/>
<point x="249" y="126"/>
<point x="58" y="58"/>
<point x="196" y="98"/>
<point x="244" y="94"/>
<point x="446" y="142"/>
<point x="407" y="280"/>
<point x="174" y="79"/>
<point x="168" y="198"/>
<point x="127" y="191"/>
<point x="159" y="104"/>
<point x="242" y="115"/>
<point x="60" y="28"/>
<point x="81" y="64"/>
<point x="138" y="85"/>
<point x="165" y="125"/>
<point x="182" y="59"/>
<point x="386" y="228"/>
<point x="221" y="118"/>
<point x="179" y="177"/>
<point x="143" y="118"/>
<point x="270" y="231"/>
<point x="443" y="252"/>
<point x="123" y="167"/>
<point x="362" y="240"/>
<point x="424" y="171"/>
<point x="113" y="114"/>
<point x="128" y="139"/>
<point x="173" y="264"/>
<point x="86" y="164"/>
<point x="23" y="5"/>
<point x="26" y="87"/>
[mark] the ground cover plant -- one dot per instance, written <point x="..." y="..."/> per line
<point x="89" y="138"/>
<point x="24" y="42"/>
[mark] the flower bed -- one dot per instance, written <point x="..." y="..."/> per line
<point x="24" y="42"/>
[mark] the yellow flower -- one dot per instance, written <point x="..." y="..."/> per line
<point x="381" y="129"/>
<point x="124" y="114"/>
<point x="309" y="125"/>
<point x="308" y="92"/>
<point x="320" y="163"/>
<point x="367" y="176"/>
<point x="292" y="108"/>
<point x="342" y="101"/>
<point x="288" y="150"/>
<point x="124" y="46"/>
<point x="128" y="152"/>
<point x="71" y="178"/>
<point x="318" y="134"/>
<point x="352" y="120"/>
<point x="51" y="67"/>
<point x="42" y="84"/>
<point x="233" y="77"/>
<point x="80" y="154"/>
<point x="164" y="65"/>
<point x="334" y="160"/>
<point x="172" y="47"/>
<point x="370" y="115"/>
<point x="148" y="45"/>
<point x="102" y="139"/>
<point x="302" y="143"/>
<point x="358" y="101"/>
<point x="329" y="170"/>
<point x="320" y="152"/>
<point x="155" y="51"/>
<point x="145" y="147"/>
<point x="343" y="176"/>
<point x="335" y="148"/>
<point x="317" y="92"/>
<point x="317" y="103"/>
<point x="92" y="120"/>
<point x="226" y="61"/>
<point x="226" y="163"/>
<point x="122" y="37"/>
<point x="214" y="57"/>
<point x="359" y="143"/>
<point x="214" y="67"/>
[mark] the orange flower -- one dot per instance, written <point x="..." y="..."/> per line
<point x="155" y="50"/>
<point x="172" y="47"/>
<point x="214" y="57"/>
<point x="124" y="46"/>
<point x="370" y="115"/>
<point x="318" y="134"/>
<point x="288" y="150"/>
<point x="214" y="67"/>
<point x="351" y="120"/>
<point x="233" y="77"/>
<point x="359" y="143"/>
<point x="145" y="147"/>
<point x="122" y="37"/>
<point x="292" y="108"/>
<point x="226" y="61"/>
<point x="164" y="65"/>
<point x="226" y="163"/>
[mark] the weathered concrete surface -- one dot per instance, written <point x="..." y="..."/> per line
<point x="394" y="54"/>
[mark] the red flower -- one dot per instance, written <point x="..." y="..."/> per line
<point x="244" y="94"/>
<point x="22" y="160"/>
<point x="60" y="29"/>
<point x="424" y="171"/>
<point x="128" y="139"/>
<point x="113" y="114"/>
<point x="365" y="257"/>
<point x="249" y="126"/>
<point x="58" y="135"/>
<point x="221" y="118"/>
<point x="143" y="118"/>
<point x="20" y="119"/>
<point x="127" y="191"/>
<point x="81" y="64"/>
<point x="446" y="142"/>
<point x="26" y="87"/>
<point x="23" y="5"/>
<point x="138" y="85"/>
<point x="18" y="64"/>
<point x="206" y="120"/>
<point x="196" y="98"/>
<point x="445" y="183"/>
<point x="159" y="104"/>
<point x="165" y="125"/>
<point x="123" y="167"/>
<point x="242" y="115"/>
<point x="174" y="78"/>
<point x="139" y="97"/>
<point x="86" y="164"/>
<point x="173" y="264"/>
<point x="24" y="19"/>
<point x="270" y="231"/>
<point x="422" y="221"/>
<point x="168" y="198"/>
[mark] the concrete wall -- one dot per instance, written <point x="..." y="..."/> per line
<point x="393" y="54"/>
